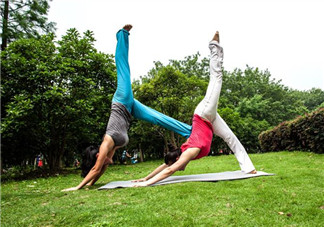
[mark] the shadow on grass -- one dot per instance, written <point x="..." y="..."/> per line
<point x="96" y="186"/>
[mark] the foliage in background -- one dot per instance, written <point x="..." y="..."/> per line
<point x="303" y="133"/>
<point x="254" y="93"/>
<point x="312" y="98"/>
<point x="55" y="99"/>
<point x="24" y="19"/>
<point x="250" y="102"/>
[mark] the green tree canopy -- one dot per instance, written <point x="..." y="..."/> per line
<point x="250" y="102"/>
<point x="24" y="19"/>
<point x="55" y="99"/>
<point x="312" y="98"/>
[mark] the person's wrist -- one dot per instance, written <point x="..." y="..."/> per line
<point x="124" y="30"/>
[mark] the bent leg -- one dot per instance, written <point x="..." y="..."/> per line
<point x="148" y="114"/>
<point x="222" y="130"/>
<point x="124" y="93"/>
<point x="207" y="108"/>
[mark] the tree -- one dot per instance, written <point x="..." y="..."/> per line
<point x="191" y="66"/>
<point x="55" y="100"/>
<point x="250" y="102"/>
<point x="253" y="93"/>
<point x="312" y="98"/>
<point x="24" y="19"/>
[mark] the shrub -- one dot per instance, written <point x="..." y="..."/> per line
<point x="303" y="133"/>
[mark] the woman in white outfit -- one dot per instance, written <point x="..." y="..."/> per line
<point x="206" y="122"/>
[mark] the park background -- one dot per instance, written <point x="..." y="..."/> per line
<point x="57" y="81"/>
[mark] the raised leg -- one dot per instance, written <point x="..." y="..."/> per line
<point x="142" y="112"/>
<point x="207" y="108"/>
<point x="124" y="93"/>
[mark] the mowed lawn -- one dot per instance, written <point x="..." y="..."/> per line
<point x="293" y="197"/>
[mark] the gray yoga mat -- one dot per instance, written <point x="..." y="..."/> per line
<point x="231" y="175"/>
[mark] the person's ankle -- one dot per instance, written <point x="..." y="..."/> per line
<point x="253" y="172"/>
<point x="216" y="37"/>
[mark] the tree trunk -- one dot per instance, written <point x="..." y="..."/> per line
<point x="166" y="147"/>
<point x="55" y="161"/>
<point x="141" y="153"/>
<point x="55" y="157"/>
<point x="1" y="169"/>
<point x="5" y="26"/>
<point x="172" y="137"/>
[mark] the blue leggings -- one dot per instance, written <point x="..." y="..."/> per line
<point x="124" y="93"/>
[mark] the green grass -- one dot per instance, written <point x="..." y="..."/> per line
<point x="293" y="197"/>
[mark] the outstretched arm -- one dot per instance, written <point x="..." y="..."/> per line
<point x="98" y="169"/>
<point x="94" y="180"/>
<point x="184" y="159"/>
<point x="156" y="171"/>
<point x="94" y="174"/>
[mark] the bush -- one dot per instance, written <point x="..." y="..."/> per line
<point x="15" y="172"/>
<point x="303" y="133"/>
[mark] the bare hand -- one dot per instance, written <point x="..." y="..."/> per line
<point x="141" y="184"/>
<point x="70" y="189"/>
<point x="139" y="180"/>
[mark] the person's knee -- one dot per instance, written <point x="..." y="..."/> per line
<point x="228" y="137"/>
<point x="108" y="141"/>
<point x="105" y="138"/>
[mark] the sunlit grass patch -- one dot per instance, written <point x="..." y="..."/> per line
<point x="293" y="197"/>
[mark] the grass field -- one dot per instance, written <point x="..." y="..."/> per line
<point x="293" y="197"/>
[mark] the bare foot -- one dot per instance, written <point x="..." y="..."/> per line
<point x="128" y="27"/>
<point x="253" y="172"/>
<point x="216" y="36"/>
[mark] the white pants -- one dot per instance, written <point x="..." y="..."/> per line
<point x="207" y="108"/>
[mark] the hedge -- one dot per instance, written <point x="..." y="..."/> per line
<point x="304" y="133"/>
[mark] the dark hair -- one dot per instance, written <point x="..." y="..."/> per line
<point x="172" y="155"/>
<point x="88" y="159"/>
